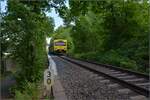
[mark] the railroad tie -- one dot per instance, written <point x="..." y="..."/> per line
<point x="122" y="74"/>
<point x="105" y="81"/>
<point x="134" y="80"/>
<point x="115" y="72"/>
<point x="124" y="91"/>
<point x="123" y="77"/>
<point x="115" y="85"/>
<point x="112" y="70"/>
<point x="144" y="84"/>
<point x="139" y="97"/>
<point x="100" y="77"/>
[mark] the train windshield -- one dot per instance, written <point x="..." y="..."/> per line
<point x="60" y="44"/>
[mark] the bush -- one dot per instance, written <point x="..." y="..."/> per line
<point x="22" y="96"/>
<point x="87" y="56"/>
<point x="111" y="57"/>
<point x="30" y="92"/>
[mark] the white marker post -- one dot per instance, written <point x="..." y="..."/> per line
<point x="48" y="81"/>
<point x="49" y="75"/>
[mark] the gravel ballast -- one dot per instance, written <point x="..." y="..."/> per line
<point x="80" y="84"/>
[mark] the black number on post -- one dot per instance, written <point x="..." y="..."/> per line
<point x="49" y="74"/>
<point x="48" y="81"/>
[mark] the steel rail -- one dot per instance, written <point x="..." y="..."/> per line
<point x="114" y="67"/>
<point x="133" y="87"/>
<point x="121" y="69"/>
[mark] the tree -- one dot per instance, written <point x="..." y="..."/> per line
<point x="104" y="26"/>
<point x="27" y="26"/>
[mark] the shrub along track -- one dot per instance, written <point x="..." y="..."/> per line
<point x="134" y="82"/>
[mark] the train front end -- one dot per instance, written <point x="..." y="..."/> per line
<point x="60" y="46"/>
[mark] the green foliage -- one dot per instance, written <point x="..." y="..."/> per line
<point x="27" y="26"/>
<point x="30" y="92"/>
<point x="20" y="96"/>
<point x="110" y="57"/>
<point x="87" y="33"/>
<point x="111" y="31"/>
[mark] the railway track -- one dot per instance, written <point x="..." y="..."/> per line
<point x="136" y="82"/>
